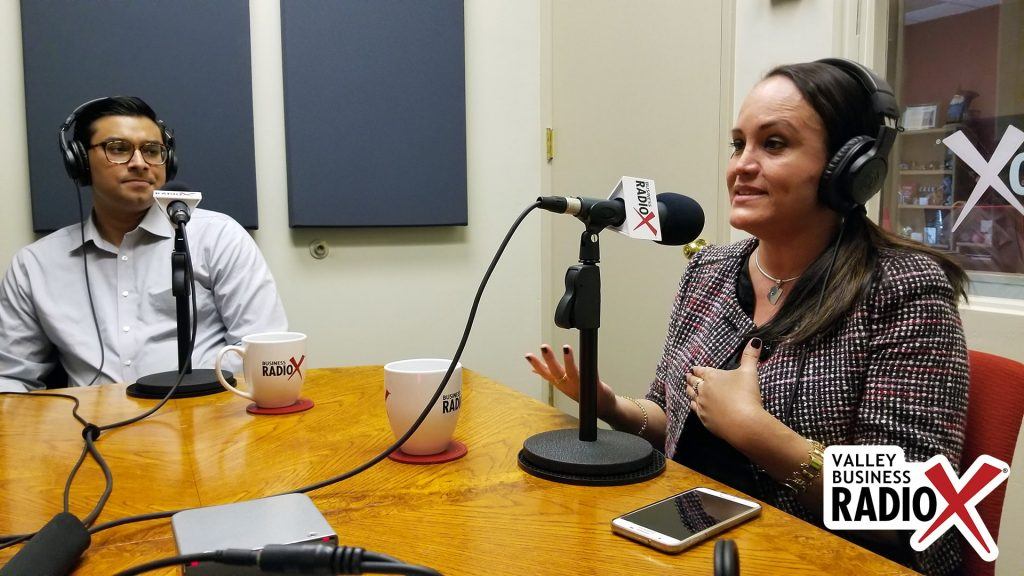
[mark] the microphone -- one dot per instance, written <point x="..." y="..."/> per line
<point x="178" y="200"/>
<point x="590" y="456"/>
<point x="681" y="218"/>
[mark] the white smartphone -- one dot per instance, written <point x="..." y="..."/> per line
<point x="678" y="522"/>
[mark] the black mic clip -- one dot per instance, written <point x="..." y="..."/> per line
<point x="596" y="214"/>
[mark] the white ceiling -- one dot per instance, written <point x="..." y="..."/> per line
<point x="918" y="11"/>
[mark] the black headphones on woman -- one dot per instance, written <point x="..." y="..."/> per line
<point x="76" y="155"/>
<point x="856" y="171"/>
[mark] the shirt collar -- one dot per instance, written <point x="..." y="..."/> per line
<point x="91" y="233"/>
<point x="154" y="222"/>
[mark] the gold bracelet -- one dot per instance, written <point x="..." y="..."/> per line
<point x="809" y="470"/>
<point x="643" y="426"/>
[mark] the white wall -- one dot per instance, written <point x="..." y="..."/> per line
<point x="16" y="215"/>
<point x="382" y="294"/>
<point x="807" y="28"/>
<point x="779" y="32"/>
<point x="624" y="103"/>
<point x="386" y="294"/>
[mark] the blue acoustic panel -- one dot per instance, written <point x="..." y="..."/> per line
<point x="375" y="112"/>
<point x="189" y="59"/>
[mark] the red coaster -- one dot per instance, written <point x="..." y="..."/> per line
<point x="301" y="405"/>
<point x="454" y="451"/>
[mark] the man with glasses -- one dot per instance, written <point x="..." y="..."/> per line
<point x="124" y="249"/>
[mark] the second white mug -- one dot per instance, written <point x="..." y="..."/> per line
<point x="408" y="386"/>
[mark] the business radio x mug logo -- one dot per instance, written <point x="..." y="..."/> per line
<point x="875" y="488"/>
<point x="280" y="368"/>
<point x="988" y="172"/>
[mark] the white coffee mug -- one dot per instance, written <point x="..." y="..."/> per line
<point x="273" y="365"/>
<point x="408" y="386"/>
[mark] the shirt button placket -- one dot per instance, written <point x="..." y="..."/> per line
<point x="127" y="307"/>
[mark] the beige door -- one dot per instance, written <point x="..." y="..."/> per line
<point x="638" y="89"/>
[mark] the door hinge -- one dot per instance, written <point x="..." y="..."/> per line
<point x="549" y="143"/>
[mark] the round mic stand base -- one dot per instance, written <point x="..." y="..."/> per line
<point x="613" y="459"/>
<point x="200" y="382"/>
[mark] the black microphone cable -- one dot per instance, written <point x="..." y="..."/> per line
<point x="415" y="425"/>
<point x="295" y="559"/>
<point x="59" y="544"/>
<point x="88" y="288"/>
<point x="14" y="539"/>
<point x="451" y="367"/>
<point x="92" y="432"/>
<point x="7" y="541"/>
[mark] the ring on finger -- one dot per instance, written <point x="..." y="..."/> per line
<point x="563" y="378"/>
<point x="696" y="386"/>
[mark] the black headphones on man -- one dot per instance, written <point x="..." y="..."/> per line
<point x="76" y="155"/>
<point x="856" y="171"/>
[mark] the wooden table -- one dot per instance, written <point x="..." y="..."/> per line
<point x="478" y="515"/>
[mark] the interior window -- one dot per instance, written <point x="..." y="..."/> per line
<point x="957" y="180"/>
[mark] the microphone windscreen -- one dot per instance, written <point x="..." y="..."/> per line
<point x="682" y="219"/>
<point x="55" y="549"/>
<point x="176" y="186"/>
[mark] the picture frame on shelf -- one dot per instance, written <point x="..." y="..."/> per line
<point x="920" y="117"/>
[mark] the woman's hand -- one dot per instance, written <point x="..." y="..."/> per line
<point x="728" y="402"/>
<point x="567" y="377"/>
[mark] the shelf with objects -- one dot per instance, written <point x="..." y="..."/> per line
<point x="929" y="180"/>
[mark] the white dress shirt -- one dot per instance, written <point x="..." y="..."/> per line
<point x="45" y="314"/>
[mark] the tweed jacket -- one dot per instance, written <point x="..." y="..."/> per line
<point x="894" y="371"/>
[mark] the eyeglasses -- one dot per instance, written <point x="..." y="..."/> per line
<point x="122" y="151"/>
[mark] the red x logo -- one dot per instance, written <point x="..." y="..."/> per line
<point x="646" y="220"/>
<point x="297" y="366"/>
<point x="982" y="478"/>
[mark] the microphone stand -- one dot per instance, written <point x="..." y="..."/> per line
<point x="589" y="456"/>
<point x="200" y="382"/>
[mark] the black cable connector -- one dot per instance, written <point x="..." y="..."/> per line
<point x="329" y="560"/>
<point x="323" y="559"/>
<point x="310" y="559"/>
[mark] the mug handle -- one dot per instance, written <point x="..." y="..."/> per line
<point x="220" y="377"/>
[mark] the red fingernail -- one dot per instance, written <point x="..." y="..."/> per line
<point x="756" y="343"/>
<point x="565" y="349"/>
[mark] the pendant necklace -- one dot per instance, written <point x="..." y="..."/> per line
<point x="775" y="293"/>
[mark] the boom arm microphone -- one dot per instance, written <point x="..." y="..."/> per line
<point x="682" y="219"/>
